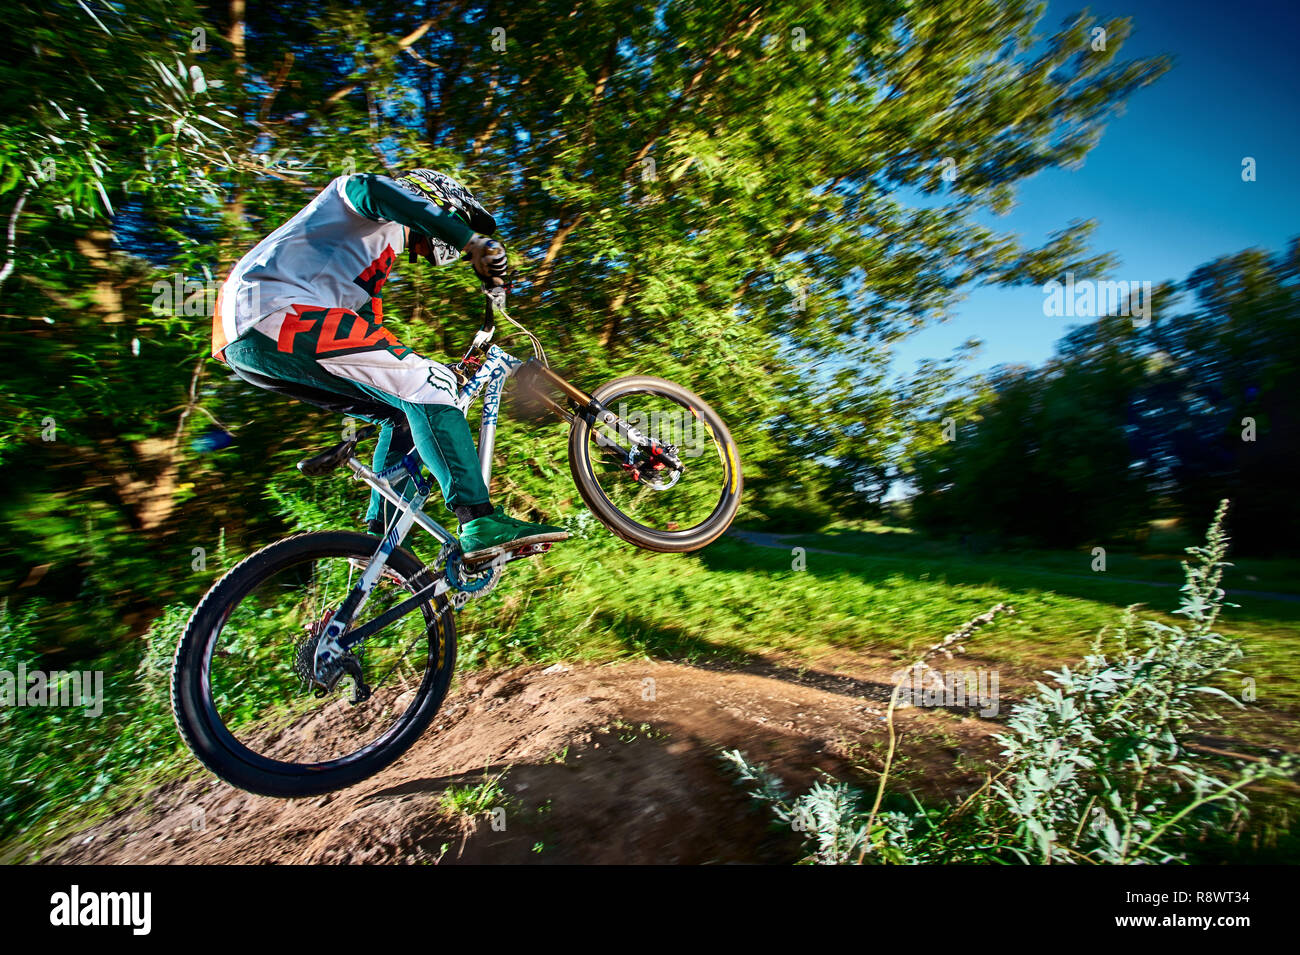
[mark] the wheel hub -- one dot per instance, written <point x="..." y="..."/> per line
<point x="320" y="676"/>
<point x="654" y="467"/>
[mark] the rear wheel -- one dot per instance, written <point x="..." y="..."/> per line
<point x="673" y="484"/>
<point x="239" y="692"/>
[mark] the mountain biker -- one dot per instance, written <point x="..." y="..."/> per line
<point x="302" y="314"/>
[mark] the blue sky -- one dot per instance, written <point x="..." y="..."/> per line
<point x="1165" y="181"/>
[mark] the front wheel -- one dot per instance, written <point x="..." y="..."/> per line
<point x="658" y="467"/>
<point x="240" y="692"/>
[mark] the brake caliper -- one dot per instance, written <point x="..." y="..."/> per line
<point x="659" y="457"/>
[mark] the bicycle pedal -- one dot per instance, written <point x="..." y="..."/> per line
<point x="529" y="550"/>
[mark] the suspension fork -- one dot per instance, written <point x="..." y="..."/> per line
<point x="582" y="405"/>
<point x="532" y="373"/>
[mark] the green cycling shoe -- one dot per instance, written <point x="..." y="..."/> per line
<point x="487" y="536"/>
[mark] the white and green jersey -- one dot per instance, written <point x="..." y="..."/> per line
<point x="338" y="250"/>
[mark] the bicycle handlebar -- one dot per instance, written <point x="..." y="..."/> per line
<point x="496" y="302"/>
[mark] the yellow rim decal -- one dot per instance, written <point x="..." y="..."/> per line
<point x="722" y="457"/>
<point x="728" y="459"/>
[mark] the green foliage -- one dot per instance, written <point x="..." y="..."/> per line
<point x="1099" y="766"/>
<point x="320" y="505"/>
<point x="1128" y="423"/>
<point x="476" y="799"/>
<point x="61" y="763"/>
<point x="655" y="226"/>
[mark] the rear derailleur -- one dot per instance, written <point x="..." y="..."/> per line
<point x="321" y="669"/>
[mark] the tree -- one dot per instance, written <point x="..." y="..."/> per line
<point x="720" y="193"/>
<point x="1127" y="423"/>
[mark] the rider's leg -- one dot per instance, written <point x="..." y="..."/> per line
<point x="303" y="346"/>
<point x="255" y="353"/>
<point x="353" y="354"/>
<point x="484" y="530"/>
<point x="442" y="439"/>
<point x="392" y="444"/>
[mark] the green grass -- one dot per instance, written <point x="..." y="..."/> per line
<point x="473" y="800"/>
<point x="1157" y="566"/>
<point x="599" y="601"/>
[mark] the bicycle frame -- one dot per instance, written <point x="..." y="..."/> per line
<point x="489" y="379"/>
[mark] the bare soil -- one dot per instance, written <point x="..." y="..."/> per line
<point x="602" y="764"/>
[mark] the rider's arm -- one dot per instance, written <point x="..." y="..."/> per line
<point x="380" y="198"/>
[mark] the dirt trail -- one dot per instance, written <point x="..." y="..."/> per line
<point x="607" y="764"/>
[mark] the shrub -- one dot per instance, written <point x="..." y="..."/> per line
<point x="1098" y="764"/>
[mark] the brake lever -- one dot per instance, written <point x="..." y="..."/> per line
<point x="494" y="299"/>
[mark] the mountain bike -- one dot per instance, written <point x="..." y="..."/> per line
<point x="259" y="678"/>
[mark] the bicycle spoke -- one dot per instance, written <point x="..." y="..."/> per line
<point x="640" y="478"/>
<point x="262" y="699"/>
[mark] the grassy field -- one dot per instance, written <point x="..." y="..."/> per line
<point x="883" y="596"/>
<point x="599" y="600"/>
<point x="1159" y="562"/>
